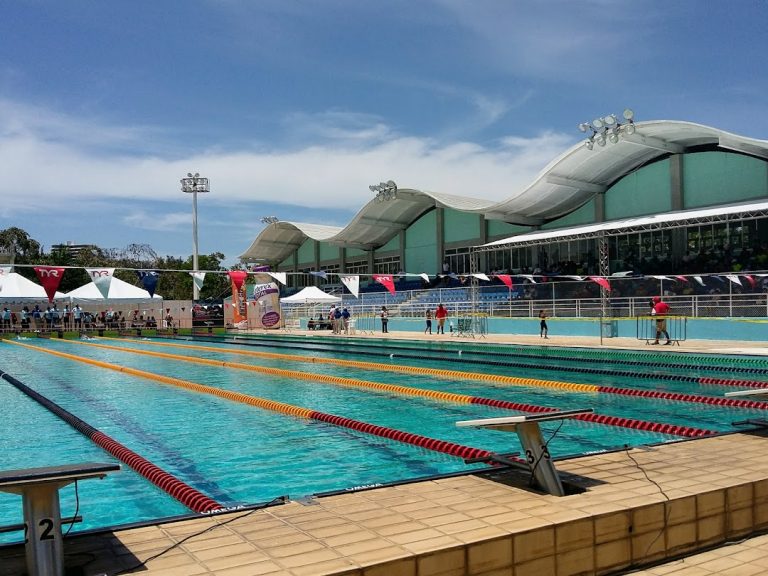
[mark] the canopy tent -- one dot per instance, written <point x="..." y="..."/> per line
<point x="310" y="295"/>
<point x="120" y="292"/>
<point x="16" y="288"/>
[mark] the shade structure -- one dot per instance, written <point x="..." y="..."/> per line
<point x="120" y="292"/>
<point x="310" y="295"/>
<point x="16" y="288"/>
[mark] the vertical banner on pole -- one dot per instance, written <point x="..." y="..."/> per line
<point x="266" y="300"/>
<point x="239" y="298"/>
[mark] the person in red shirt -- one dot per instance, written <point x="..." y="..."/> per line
<point x="440" y="315"/>
<point x="660" y="310"/>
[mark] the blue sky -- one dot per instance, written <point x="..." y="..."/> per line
<point x="292" y="108"/>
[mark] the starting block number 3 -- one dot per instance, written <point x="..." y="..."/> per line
<point x="529" y="456"/>
<point x="46" y="532"/>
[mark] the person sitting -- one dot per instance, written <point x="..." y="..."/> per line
<point x="311" y="324"/>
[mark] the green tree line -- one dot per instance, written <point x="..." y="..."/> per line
<point x="19" y="248"/>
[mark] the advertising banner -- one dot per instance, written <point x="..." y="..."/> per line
<point x="266" y="303"/>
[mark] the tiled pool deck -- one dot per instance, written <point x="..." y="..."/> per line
<point x="672" y="509"/>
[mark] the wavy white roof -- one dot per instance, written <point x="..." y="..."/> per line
<point x="565" y="184"/>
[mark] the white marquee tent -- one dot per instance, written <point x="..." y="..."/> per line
<point x="120" y="292"/>
<point x="16" y="288"/>
<point x="310" y="295"/>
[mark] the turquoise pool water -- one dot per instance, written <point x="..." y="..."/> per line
<point x="238" y="454"/>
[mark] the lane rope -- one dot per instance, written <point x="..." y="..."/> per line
<point x="177" y="489"/>
<point x="442" y="446"/>
<point x="672" y="429"/>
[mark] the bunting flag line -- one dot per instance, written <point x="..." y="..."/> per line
<point x="602" y="282"/>
<point x="198" y="278"/>
<point x="682" y="278"/>
<point x="352" y="283"/>
<point x="506" y="278"/>
<point x="386" y="281"/>
<point x="319" y="273"/>
<point x="102" y="278"/>
<point x="262" y="268"/>
<point x="574" y="277"/>
<point x="149" y="280"/>
<point x="528" y="277"/>
<point x="663" y="278"/>
<point x="279" y="276"/>
<point x="481" y="276"/>
<point x="425" y="276"/>
<point x="50" y="277"/>
<point x="699" y="280"/>
<point x="750" y="279"/>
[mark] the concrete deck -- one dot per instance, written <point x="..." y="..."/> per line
<point x="672" y="507"/>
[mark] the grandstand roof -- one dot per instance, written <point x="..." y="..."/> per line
<point x="564" y="185"/>
<point x="667" y="220"/>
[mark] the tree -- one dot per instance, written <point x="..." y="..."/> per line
<point x="17" y="242"/>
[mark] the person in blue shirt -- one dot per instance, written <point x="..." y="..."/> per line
<point x="345" y="316"/>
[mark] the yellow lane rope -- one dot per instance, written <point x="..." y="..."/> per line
<point x="438" y="372"/>
<point x="348" y="382"/>
<point x="201" y="388"/>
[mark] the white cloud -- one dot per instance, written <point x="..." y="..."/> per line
<point x="145" y="221"/>
<point x="357" y="150"/>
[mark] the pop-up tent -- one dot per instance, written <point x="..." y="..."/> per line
<point x="120" y="292"/>
<point x="310" y="295"/>
<point x="16" y="288"/>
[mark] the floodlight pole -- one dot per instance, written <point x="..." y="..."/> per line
<point x="193" y="184"/>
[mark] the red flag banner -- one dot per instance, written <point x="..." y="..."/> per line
<point x="682" y="278"/>
<point x="238" y="277"/>
<point x="750" y="279"/>
<point x="602" y="282"/>
<point x="239" y="296"/>
<point x="50" y="277"/>
<point x="506" y="278"/>
<point x="387" y="281"/>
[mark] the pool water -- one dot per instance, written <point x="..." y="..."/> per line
<point x="239" y="454"/>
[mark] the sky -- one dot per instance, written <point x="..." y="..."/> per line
<point x="293" y="108"/>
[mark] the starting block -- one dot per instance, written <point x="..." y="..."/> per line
<point x="535" y="449"/>
<point x="39" y="489"/>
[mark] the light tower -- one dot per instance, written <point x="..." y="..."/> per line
<point x="193" y="184"/>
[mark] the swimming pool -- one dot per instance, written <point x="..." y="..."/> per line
<point x="239" y="454"/>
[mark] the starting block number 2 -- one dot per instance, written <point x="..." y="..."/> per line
<point x="46" y="532"/>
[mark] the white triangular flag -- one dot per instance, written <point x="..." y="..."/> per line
<point x="279" y="276"/>
<point x="733" y="278"/>
<point x="102" y="277"/>
<point x="352" y="283"/>
<point x="198" y="278"/>
<point x="481" y="276"/>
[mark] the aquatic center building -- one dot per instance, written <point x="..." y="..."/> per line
<point x="656" y="168"/>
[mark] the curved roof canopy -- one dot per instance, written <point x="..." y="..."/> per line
<point x="564" y="185"/>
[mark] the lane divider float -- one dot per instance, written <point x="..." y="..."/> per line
<point x="374" y="366"/>
<point x="180" y="491"/>
<point x="442" y="446"/>
<point x="663" y="428"/>
<point x="437" y="372"/>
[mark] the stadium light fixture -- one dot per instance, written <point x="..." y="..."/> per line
<point x="193" y="184"/>
<point x="384" y="191"/>
<point x="608" y="129"/>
